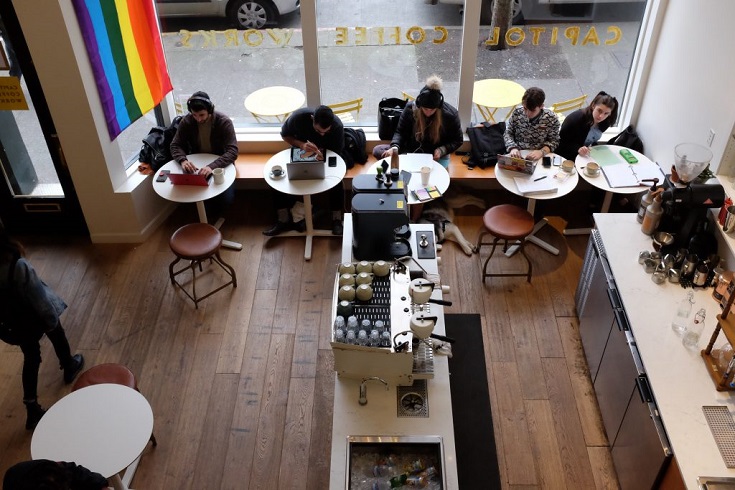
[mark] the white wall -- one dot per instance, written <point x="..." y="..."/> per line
<point x="116" y="208"/>
<point x="690" y="86"/>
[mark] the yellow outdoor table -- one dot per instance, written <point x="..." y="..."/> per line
<point x="278" y="102"/>
<point x="493" y="93"/>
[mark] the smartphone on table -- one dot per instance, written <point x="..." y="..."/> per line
<point x="332" y="161"/>
<point x="162" y="174"/>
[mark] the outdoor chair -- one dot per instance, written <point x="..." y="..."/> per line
<point x="567" y="106"/>
<point x="344" y="110"/>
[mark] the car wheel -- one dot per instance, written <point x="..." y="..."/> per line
<point x="251" y="14"/>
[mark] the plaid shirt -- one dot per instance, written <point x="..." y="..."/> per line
<point x="523" y="134"/>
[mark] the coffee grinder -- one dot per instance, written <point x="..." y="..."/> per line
<point x="685" y="202"/>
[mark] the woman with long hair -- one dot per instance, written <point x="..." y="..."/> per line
<point x="428" y="125"/>
<point x="30" y="309"/>
<point x="584" y="127"/>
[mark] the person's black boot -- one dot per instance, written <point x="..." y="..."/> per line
<point x="34" y="413"/>
<point x="73" y="368"/>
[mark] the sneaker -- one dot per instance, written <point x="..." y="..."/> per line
<point x="73" y="368"/>
<point x="278" y="228"/>
<point x="34" y="412"/>
<point x="337" y="227"/>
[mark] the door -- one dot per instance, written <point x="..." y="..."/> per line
<point x="36" y="192"/>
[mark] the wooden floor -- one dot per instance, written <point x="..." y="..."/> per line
<point x="242" y="388"/>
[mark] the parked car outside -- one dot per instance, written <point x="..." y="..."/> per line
<point x="243" y="14"/>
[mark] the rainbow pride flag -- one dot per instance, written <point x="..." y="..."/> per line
<point x="124" y="47"/>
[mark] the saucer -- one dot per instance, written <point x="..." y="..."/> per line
<point x="276" y="177"/>
<point x="592" y="176"/>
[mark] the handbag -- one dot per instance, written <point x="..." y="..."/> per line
<point x="628" y="138"/>
<point x="389" y="112"/>
<point x="487" y="143"/>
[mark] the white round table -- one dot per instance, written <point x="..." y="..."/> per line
<point x="505" y="178"/>
<point x="412" y="162"/>
<point x="305" y="188"/>
<point x="196" y="193"/>
<point x="103" y="427"/>
<point x="600" y="181"/>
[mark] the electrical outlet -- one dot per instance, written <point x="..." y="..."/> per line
<point x="710" y="137"/>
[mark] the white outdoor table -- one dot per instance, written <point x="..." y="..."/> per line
<point x="196" y="193"/>
<point x="305" y="188"/>
<point x="103" y="427"/>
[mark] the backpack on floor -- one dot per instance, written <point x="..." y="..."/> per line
<point x="354" y="150"/>
<point x="156" y="150"/>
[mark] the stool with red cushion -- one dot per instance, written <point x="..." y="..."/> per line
<point x="108" y="373"/>
<point x="197" y="242"/>
<point x="508" y="223"/>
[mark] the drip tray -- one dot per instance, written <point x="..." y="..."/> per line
<point x="413" y="401"/>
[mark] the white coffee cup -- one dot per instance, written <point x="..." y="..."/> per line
<point x="277" y="170"/>
<point x="219" y="176"/>
<point x="425" y="174"/>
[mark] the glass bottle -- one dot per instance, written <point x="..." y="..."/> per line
<point x="694" y="330"/>
<point x="683" y="313"/>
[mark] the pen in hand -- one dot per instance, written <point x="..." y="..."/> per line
<point x="540" y="178"/>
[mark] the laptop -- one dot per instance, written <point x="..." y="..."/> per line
<point x="189" y="179"/>
<point x="515" y="164"/>
<point x="306" y="170"/>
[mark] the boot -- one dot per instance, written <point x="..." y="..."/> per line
<point x="34" y="413"/>
<point x="73" y="368"/>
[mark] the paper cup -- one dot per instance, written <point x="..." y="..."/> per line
<point x="425" y="175"/>
<point x="219" y="176"/>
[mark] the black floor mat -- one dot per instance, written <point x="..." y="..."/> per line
<point x="477" y="461"/>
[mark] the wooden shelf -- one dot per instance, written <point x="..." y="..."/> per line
<point x="722" y="382"/>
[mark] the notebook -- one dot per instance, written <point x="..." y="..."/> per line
<point x="632" y="174"/>
<point x="528" y="186"/>
<point x="189" y="179"/>
<point x="306" y="170"/>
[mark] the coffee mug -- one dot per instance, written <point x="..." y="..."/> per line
<point x="729" y="225"/>
<point x="219" y="176"/>
<point x="592" y="169"/>
<point x="567" y="166"/>
<point x="277" y="170"/>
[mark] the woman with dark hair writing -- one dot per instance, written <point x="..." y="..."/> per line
<point x="584" y="127"/>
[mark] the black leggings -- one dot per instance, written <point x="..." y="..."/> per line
<point x="32" y="359"/>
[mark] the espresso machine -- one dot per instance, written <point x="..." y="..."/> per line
<point x="685" y="202"/>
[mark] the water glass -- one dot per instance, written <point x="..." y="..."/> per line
<point x="694" y="330"/>
<point x="362" y="338"/>
<point x="351" y="337"/>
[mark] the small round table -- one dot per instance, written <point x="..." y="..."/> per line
<point x="277" y="101"/>
<point x="103" y="427"/>
<point x="493" y="93"/>
<point x="505" y="178"/>
<point x="412" y="162"/>
<point x="196" y="193"/>
<point x="305" y="188"/>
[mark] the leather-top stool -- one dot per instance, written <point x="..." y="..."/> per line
<point x="197" y="242"/>
<point x="108" y="373"/>
<point x="511" y="224"/>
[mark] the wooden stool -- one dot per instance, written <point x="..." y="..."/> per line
<point x="196" y="243"/>
<point x="506" y="222"/>
<point x="108" y="373"/>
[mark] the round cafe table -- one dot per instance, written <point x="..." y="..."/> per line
<point x="412" y="162"/>
<point x="305" y="188"/>
<point x="197" y="193"/>
<point x="506" y="179"/>
<point x="103" y="427"/>
<point x="493" y="93"/>
<point x="277" y="101"/>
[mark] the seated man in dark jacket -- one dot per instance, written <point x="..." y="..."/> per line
<point x="312" y="131"/>
<point x="42" y="473"/>
<point x="204" y="130"/>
